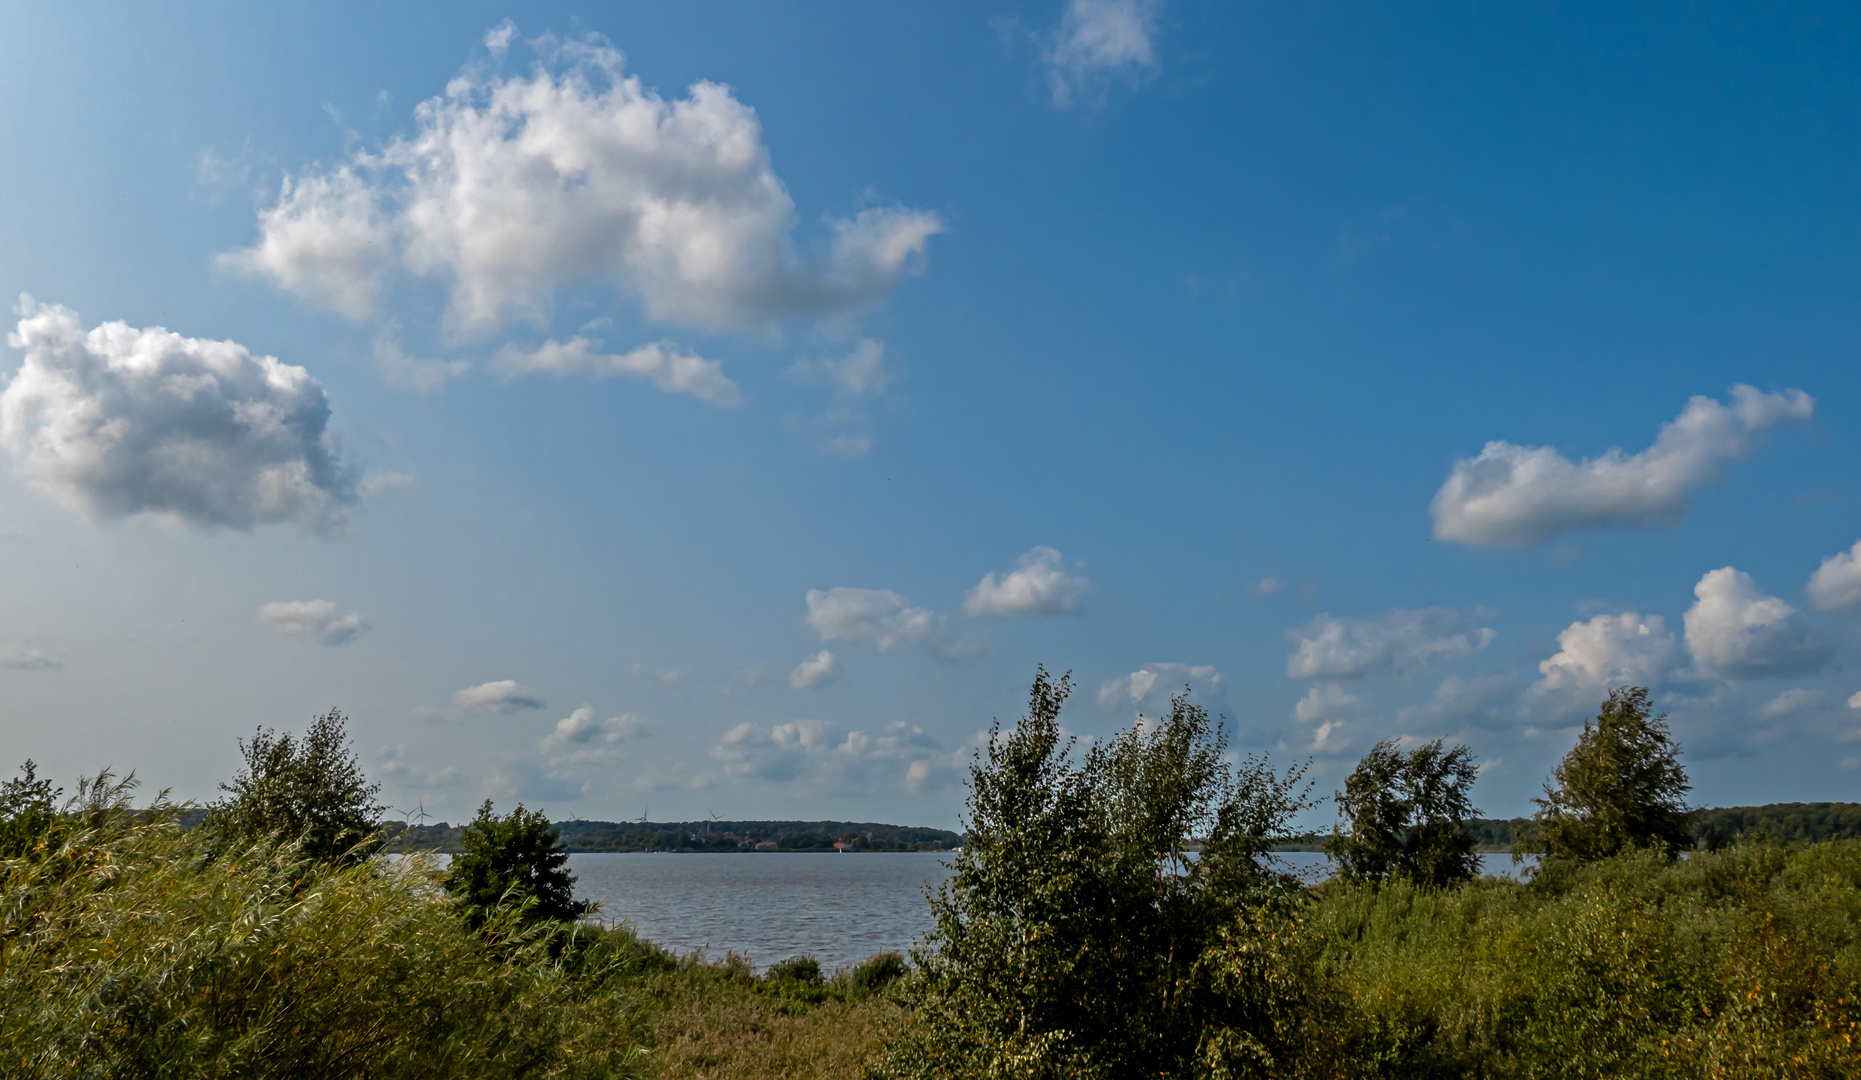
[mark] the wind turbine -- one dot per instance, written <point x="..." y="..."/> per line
<point x="420" y="812"/>
<point x="643" y="809"/>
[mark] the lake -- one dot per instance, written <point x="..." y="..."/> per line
<point x="838" y="908"/>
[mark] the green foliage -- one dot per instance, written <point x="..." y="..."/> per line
<point x="28" y="812"/>
<point x="1743" y="963"/>
<point x="1408" y="815"/>
<point x="517" y="863"/>
<point x="1621" y="787"/>
<point x="799" y="969"/>
<point x="1078" y="938"/>
<point x="877" y="972"/>
<point x="307" y="792"/>
<point x="125" y="953"/>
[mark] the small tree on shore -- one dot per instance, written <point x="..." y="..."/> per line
<point x="1621" y="787"/>
<point x="1080" y="937"/>
<point x="1408" y="815"/>
<point x="310" y="790"/>
<point x="514" y="860"/>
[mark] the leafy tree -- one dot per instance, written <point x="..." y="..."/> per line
<point x="28" y="811"/>
<point x="514" y="861"/>
<point x="1621" y="787"/>
<point x="1408" y="815"/>
<point x="310" y="790"/>
<point x="1078" y="937"/>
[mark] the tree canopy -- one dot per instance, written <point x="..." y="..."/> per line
<point x="310" y="790"/>
<point x="1078" y="936"/>
<point x="517" y="861"/>
<point x="1621" y="787"/>
<point x="1408" y="815"/>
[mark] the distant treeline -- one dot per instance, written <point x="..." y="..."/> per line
<point x="1787" y="823"/>
<point x="699" y="836"/>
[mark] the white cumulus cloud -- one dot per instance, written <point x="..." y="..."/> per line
<point x="502" y="696"/>
<point x="512" y="186"/>
<point x="581" y="729"/>
<point x="815" y="752"/>
<point x="1836" y="584"/>
<point x="816" y="670"/>
<point x="1790" y="701"/>
<point x="1514" y="496"/>
<point x="313" y="619"/>
<point x="117" y="421"/>
<point x="661" y="363"/>
<point x="1151" y="686"/>
<point x="878" y="617"/>
<point x="1099" y="40"/>
<point x="1735" y="630"/>
<point x="1038" y="585"/>
<point x="1322" y="700"/>
<point x="1610" y="650"/>
<point x="1331" y="648"/>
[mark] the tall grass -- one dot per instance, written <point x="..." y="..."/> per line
<point x="126" y="953"/>
<point x="1744" y="962"/>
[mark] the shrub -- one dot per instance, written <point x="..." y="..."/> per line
<point x="797" y="969"/>
<point x="1621" y="787"/>
<point x="1075" y="937"/>
<point x="877" y="972"/>
<point x="1408" y="815"/>
<point x="125" y="953"/>
<point x="28" y="812"/>
<point x="309" y="792"/>
<point x="514" y="862"/>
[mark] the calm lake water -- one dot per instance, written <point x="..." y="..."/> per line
<point x="838" y="908"/>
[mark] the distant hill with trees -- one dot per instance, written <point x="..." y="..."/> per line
<point x="703" y="836"/>
<point x="1788" y="823"/>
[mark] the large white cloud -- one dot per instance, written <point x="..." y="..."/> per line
<point x="1038" y="585"/>
<point x="1513" y="496"/>
<point x="1150" y="687"/>
<point x="1610" y="650"/>
<point x="1736" y="630"/>
<point x="869" y="616"/>
<point x="512" y="186"/>
<point x="117" y="421"/>
<point x="1330" y="648"/>
<point x="662" y="363"/>
<point x="1322" y="700"/>
<point x="1836" y="584"/>
<point x="1098" y="40"/>
<point x="313" y="619"/>
<point x="501" y="696"/>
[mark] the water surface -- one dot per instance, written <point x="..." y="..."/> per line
<point x="769" y="906"/>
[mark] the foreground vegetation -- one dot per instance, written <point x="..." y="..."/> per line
<point x="1077" y="939"/>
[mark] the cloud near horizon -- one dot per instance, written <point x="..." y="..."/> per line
<point x="1332" y="648"/>
<point x="1735" y="630"/>
<point x="117" y="421"/>
<point x="577" y="172"/>
<point x="1517" y="496"/>
<point x="1151" y="687"/>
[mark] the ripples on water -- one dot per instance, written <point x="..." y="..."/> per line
<point x="838" y="908"/>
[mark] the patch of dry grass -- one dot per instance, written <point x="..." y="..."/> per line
<point x="726" y="1028"/>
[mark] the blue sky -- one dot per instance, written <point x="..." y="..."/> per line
<point x="723" y="408"/>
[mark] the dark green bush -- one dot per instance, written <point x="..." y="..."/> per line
<point x="877" y="972"/>
<point x="805" y="970"/>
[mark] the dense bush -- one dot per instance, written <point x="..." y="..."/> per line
<point x="1078" y="938"/>
<point x="517" y="861"/>
<point x="1620" y="788"/>
<point x="124" y="952"/>
<point x="308" y="792"/>
<point x="1407" y="815"/>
